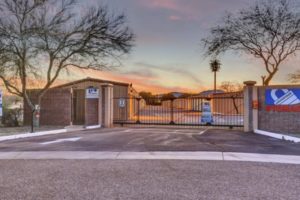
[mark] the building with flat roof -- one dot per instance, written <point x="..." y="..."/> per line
<point x="85" y="102"/>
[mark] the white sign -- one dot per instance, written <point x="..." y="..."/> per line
<point x="122" y="103"/>
<point x="92" y="93"/>
<point x="284" y="96"/>
<point x="206" y="116"/>
<point x="1" y="106"/>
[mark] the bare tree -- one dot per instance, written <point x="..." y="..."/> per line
<point x="295" y="77"/>
<point x="43" y="38"/>
<point x="235" y="88"/>
<point x="269" y="30"/>
<point x="231" y="86"/>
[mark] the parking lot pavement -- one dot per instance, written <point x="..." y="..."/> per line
<point x="154" y="139"/>
<point x="135" y="180"/>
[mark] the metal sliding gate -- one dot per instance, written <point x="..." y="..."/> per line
<point x="216" y="111"/>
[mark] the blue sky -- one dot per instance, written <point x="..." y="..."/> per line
<point x="168" y="55"/>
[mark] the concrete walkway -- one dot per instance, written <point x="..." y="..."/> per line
<point x="209" y="156"/>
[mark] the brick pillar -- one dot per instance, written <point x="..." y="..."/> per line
<point x="248" y="105"/>
<point x="108" y="106"/>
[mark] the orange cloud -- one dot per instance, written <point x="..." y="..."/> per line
<point x="186" y="7"/>
<point x="141" y="82"/>
<point x="194" y="9"/>
<point x="167" y="4"/>
<point x="174" y="18"/>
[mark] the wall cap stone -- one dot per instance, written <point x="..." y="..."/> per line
<point x="250" y="83"/>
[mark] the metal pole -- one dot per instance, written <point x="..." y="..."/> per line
<point x="32" y="119"/>
<point x="138" y="111"/>
<point x="172" y="112"/>
<point x="72" y="107"/>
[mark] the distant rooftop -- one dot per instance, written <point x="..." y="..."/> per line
<point x="207" y="93"/>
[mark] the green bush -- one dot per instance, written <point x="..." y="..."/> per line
<point x="11" y="117"/>
<point x="11" y="114"/>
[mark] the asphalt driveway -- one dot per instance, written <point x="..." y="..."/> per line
<point x="147" y="180"/>
<point x="154" y="139"/>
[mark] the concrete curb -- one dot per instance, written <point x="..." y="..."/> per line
<point x="42" y="133"/>
<point x="93" y="127"/>
<point x="209" y="156"/>
<point x="277" y="136"/>
<point x="29" y="135"/>
<point x="266" y="158"/>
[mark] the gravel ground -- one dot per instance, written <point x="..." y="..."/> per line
<point x="174" y="180"/>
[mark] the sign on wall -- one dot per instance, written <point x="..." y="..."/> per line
<point x="1" y="104"/>
<point x="122" y="103"/>
<point x="283" y="100"/>
<point x="92" y="93"/>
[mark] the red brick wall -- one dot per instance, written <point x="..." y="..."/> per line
<point x="55" y="108"/>
<point x="91" y="115"/>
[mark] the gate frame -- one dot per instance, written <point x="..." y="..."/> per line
<point x="172" y="122"/>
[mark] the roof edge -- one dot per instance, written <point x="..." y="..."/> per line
<point x="90" y="79"/>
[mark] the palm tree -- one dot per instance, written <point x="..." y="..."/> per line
<point x="215" y="66"/>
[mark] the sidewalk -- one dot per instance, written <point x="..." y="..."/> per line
<point x="208" y="156"/>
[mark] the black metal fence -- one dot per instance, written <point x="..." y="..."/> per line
<point x="217" y="111"/>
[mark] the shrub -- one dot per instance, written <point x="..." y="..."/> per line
<point x="11" y="117"/>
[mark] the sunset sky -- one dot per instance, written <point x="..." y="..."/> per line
<point x="168" y="55"/>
